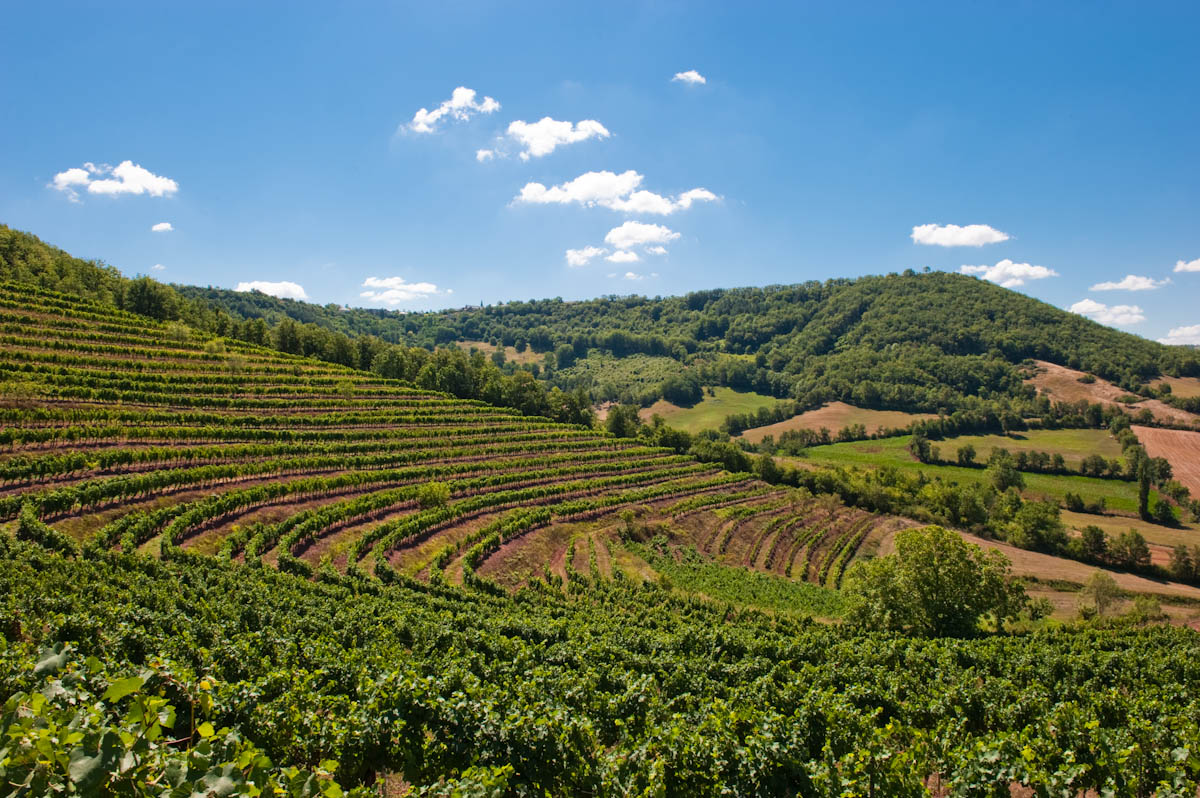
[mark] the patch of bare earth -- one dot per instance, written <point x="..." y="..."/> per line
<point x="1045" y="566"/>
<point x="835" y="416"/>
<point x="1063" y="384"/>
<point x="1180" y="448"/>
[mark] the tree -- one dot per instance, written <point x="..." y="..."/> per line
<point x="623" y="421"/>
<point x="936" y="584"/>
<point x="1130" y="550"/>
<point x="1093" y="543"/>
<point x="1181" y="566"/>
<point x="1163" y="513"/>
<point x="1037" y="525"/>
<point x="966" y="455"/>
<point x="1099" y="592"/>
<point x="920" y="448"/>
<point x="1002" y="471"/>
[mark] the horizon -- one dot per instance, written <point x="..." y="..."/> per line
<point x="413" y="159"/>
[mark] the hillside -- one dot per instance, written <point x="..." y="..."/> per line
<point x="903" y="341"/>
<point x="303" y="569"/>
<point x="916" y="342"/>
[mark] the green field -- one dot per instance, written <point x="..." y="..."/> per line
<point x="1072" y="444"/>
<point x="1118" y="495"/>
<point x="711" y="411"/>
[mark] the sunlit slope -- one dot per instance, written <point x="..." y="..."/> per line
<point x="121" y="432"/>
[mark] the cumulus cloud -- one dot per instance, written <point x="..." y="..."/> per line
<point x="461" y="106"/>
<point x="125" y="178"/>
<point x="1183" y="336"/>
<point x="484" y="155"/>
<point x="658" y="250"/>
<point x="951" y="235"/>
<point x="393" y="291"/>
<point x="623" y="256"/>
<point x="544" y="136"/>
<point x="284" y="289"/>
<point x="158" y="267"/>
<point x="1108" y="314"/>
<point x="1130" y="282"/>
<point x="639" y="234"/>
<point x="691" y="76"/>
<point x="1009" y="274"/>
<point x="1188" y="266"/>
<point x="610" y="190"/>
<point x="581" y="257"/>
<point x="162" y="227"/>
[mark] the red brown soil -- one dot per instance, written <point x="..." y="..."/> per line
<point x="835" y="416"/>
<point x="1180" y="448"/>
<point x="1063" y="384"/>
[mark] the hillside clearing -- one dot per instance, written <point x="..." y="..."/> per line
<point x="835" y="416"/>
<point x="1063" y="384"/>
<point x="710" y="411"/>
<point x="1180" y="448"/>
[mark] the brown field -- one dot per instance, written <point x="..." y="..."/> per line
<point x="1063" y="384"/>
<point x="1048" y="567"/>
<point x="1186" y="387"/>
<point x="1166" y="537"/>
<point x="1180" y="448"/>
<point x="833" y="417"/>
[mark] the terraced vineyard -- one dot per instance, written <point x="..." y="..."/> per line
<point x="122" y="433"/>
<point x="298" y="621"/>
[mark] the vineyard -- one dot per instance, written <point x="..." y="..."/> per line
<point x="235" y="571"/>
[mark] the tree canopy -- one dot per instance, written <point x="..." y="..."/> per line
<point x="935" y="585"/>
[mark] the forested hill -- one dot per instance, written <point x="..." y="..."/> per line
<point x="917" y="341"/>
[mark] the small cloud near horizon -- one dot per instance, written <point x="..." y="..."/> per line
<point x="283" y="289"/>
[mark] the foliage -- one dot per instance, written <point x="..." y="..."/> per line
<point x="935" y="584"/>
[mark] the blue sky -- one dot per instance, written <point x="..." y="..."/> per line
<point x="282" y="143"/>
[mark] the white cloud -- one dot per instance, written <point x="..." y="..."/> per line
<point x="1009" y="274"/>
<point x="1106" y="314"/>
<point x="951" y="235"/>
<point x="158" y="267"/>
<point x="581" y="257"/>
<point x="393" y="291"/>
<point x="635" y="234"/>
<point x="590" y="188"/>
<point x="162" y="227"/>
<point x="1188" y="266"/>
<point x="610" y="190"/>
<point x="461" y="106"/>
<point x="484" y="155"/>
<point x="623" y="256"/>
<point x="633" y="276"/>
<point x="691" y="76"/>
<point x="544" y="136"/>
<point x="659" y="250"/>
<point x="1131" y="282"/>
<point x="1183" y="336"/>
<point x="284" y="289"/>
<point x="125" y="178"/>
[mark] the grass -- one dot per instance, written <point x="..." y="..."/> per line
<point x="1118" y="495"/>
<point x="709" y="412"/>
<point x="1072" y="444"/>
<point x="1186" y="534"/>
<point x="510" y="352"/>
